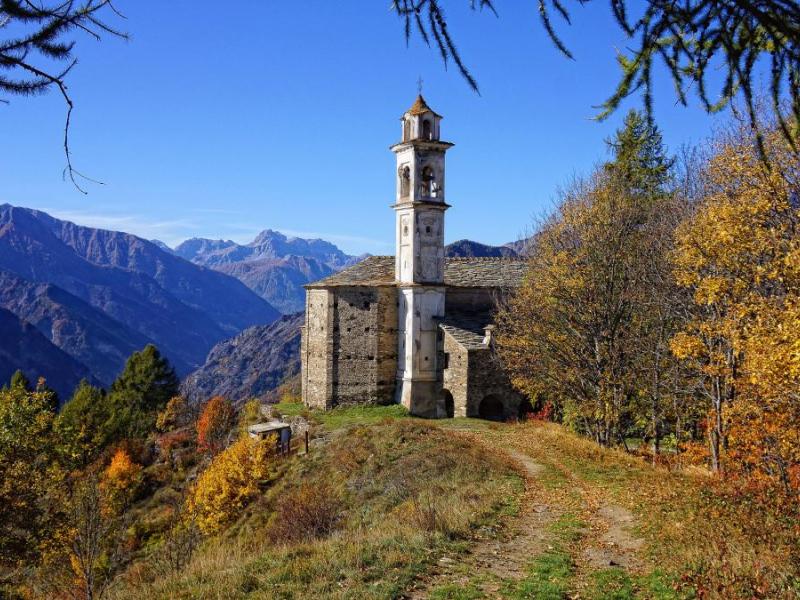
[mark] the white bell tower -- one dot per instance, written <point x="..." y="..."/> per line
<point x="419" y="257"/>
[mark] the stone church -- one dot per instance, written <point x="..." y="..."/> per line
<point x="414" y="328"/>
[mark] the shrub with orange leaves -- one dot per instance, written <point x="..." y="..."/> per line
<point x="120" y="480"/>
<point x="231" y="481"/>
<point x="214" y="424"/>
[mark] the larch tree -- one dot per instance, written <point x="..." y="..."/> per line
<point x="565" y="335"/>
<point x="574" y="331"/>
<point x="230" y="482"/>
<point x="738" y="256"/>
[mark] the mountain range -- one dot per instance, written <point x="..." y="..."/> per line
<point x="98" y="295"/>
<point x="249" y="365"/>
<point x="273" y="265"/>
<point x="24" y="348"/>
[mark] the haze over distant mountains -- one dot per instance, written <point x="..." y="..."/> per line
<point x="273" y="265"/>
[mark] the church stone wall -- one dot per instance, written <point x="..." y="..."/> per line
<point x="315" y="347"/>
<point x="470" y="300"/>
<point x="364" y="345"/>
<point x="455" y="376"/>
<point x="488" y="378"/>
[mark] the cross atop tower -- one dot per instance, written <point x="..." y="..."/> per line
<point x="420" y="81"/>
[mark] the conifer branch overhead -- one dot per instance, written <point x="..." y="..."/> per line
<point x="692" y="39"/>
<point x="32" y="59"/>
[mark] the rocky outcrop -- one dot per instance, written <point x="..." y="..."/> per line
<point x="279" y="280"/>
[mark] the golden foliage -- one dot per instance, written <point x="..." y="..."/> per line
<point x="740" y="257"/>
<point x="571" y="333"/>
<point x="230" y="482"/>
<point x="120" y="479"/>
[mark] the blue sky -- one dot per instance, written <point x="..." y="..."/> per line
<point x="280" y="114"/>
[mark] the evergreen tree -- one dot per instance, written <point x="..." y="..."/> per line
<point x="143" y="388"/>
<point x="18" y="380"/>
<point x="83" y="424"/>
<point x="640" y="164"/>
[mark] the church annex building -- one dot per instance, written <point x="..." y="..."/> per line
<point x="414" y="328"/>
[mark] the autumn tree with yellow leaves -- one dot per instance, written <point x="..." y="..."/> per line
<point x="230" y="482"/>
<point x="740" y="258"/>
<point x="588" y="329"/>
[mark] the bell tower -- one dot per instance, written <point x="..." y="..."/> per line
<point x="419" y="257"/>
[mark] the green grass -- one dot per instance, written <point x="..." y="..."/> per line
<point x="615" y="584"/>
<point x="343" y="416"/>
<point x="548" y="578"/>
<point x="550" y="574"/>
<point x="456" y="592"/>
<point x="610" y="584"/>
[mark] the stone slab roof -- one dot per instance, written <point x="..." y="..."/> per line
<point x="467" y="328"/>
<point x="466" y="272"/>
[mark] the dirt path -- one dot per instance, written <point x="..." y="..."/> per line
<point x="617" y="544"/>
<point x="498" y="556"/>
<point x="503" y="553"/>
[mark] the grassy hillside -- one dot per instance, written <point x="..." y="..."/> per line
<point x="361" y="517"/>
<point x="387" y="506"/>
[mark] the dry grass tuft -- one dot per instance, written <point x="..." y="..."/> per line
<point x="308" y="512"/>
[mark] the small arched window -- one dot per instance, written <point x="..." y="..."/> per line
<point x="406" y="130"/>
<point x="426" y="130"/>
<point x="405" y="181"/>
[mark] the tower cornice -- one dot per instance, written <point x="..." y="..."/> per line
<point x="421" y="204"/>
<point x="420" y="143"/>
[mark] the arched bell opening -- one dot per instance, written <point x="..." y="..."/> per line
<point x="427" y="132"/>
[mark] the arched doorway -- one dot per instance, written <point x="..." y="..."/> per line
<point x="491" y="408"/>
<point x="448" y="404"/>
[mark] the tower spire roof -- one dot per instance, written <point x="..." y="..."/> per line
<point x="420" y="106"/>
